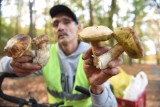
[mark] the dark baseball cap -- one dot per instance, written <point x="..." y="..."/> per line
<point x="63" y="9"/>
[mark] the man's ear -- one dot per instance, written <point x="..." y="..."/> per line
<point x="80" y="27"/>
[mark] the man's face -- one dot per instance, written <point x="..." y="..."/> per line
<point x="65" y="29"/>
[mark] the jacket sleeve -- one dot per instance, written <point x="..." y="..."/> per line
<point x="105" y="99"/>
<point x="6" y="67"/>
<point x="5" y="64"/>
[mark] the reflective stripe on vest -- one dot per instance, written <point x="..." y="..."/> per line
<point x="68" y="96"/>
<point x="52" y="76"/>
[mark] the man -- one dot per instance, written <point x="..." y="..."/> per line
<point x="65" y="68"/>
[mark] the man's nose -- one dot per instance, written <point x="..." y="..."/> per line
<point x="61" y="26"/>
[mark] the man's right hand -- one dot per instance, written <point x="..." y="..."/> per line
<point x="23" y="66"/>
<point x="96" y="76"/>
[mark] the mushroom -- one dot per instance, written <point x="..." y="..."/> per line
<point x="94" y="35"/>
<point x="127" y="40"/>
<point x="41" y="50"/>
<point x="17" y="45"/>
<point x="20" y="45"/>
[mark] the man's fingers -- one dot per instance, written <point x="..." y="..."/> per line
<point x="115" y="62"/>
<point x="110" y="72"/>
<point x="101" y="50"/>
<point x="23" y="59"/>
<point x="89" y="61"/>
<point x="97" y="52"/>
<point x="87" y="54"/>
<point x="26" y="66"/>
<point x="105" y="75"/>
<point x="21" y="72"/>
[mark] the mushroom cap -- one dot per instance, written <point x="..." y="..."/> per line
<point x="95" y="33"/>
<point x="40" y="39"/>
<point x="41" y="49"/>
<point x="17" y="45"/>
<point x="129" y="40"/>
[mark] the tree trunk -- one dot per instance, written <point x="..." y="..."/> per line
<point x="90" y="13"/>
<point x="158" y="52"/>
<point x="17" y="28"/>
<point x="0" y="18"/>
<point x="110" y="19"/>
<point x="45" y="18"/>
<point x="32" y="25"/>
<point x="158" y="44"/>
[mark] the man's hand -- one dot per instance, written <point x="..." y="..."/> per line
<point x="23" y="66"/>
<point x="96" y="76"/>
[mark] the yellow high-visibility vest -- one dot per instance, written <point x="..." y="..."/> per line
<point x="52" y="77"/>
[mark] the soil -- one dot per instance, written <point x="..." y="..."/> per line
<point x="35" y="85"/>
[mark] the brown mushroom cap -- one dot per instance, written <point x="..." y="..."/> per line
<point x="95" y="33"/>
<point x="39" y="40"/>
<point x="129" y="40"/>
<point x="17" y="45"/>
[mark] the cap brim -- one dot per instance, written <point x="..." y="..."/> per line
<point x="57" y="9"/>
<point x="95" y="33"/>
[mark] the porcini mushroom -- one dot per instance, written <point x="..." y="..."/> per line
<point x="41" y="50"/>
<point x="19" y="45"/>
<point x="127" y="40"/>
<point x="94" y="35"/>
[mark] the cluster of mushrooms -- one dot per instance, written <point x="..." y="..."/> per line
<point x="21" y="44"/>
<point x="127" y="41"/>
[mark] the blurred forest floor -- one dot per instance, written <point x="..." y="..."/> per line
<point x="21" y="87"/>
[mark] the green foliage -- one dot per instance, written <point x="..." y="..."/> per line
<point x="6" y="32"/>
<point x="103" y="13"/>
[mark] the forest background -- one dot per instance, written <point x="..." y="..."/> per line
<point x="32" y="17"/>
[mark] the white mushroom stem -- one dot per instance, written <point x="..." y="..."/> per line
<point x="41" y="54"/>
<point x="95" y="45"/>
<point x="102" y="61"/>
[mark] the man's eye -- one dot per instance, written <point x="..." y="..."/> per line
<point x="55" y="24"/>
<point x="67" y="21"/>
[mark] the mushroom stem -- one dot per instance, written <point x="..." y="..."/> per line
<point x="95" y="45"/>
<point x="102" y="61"/>
<point x="113" y="53"/>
